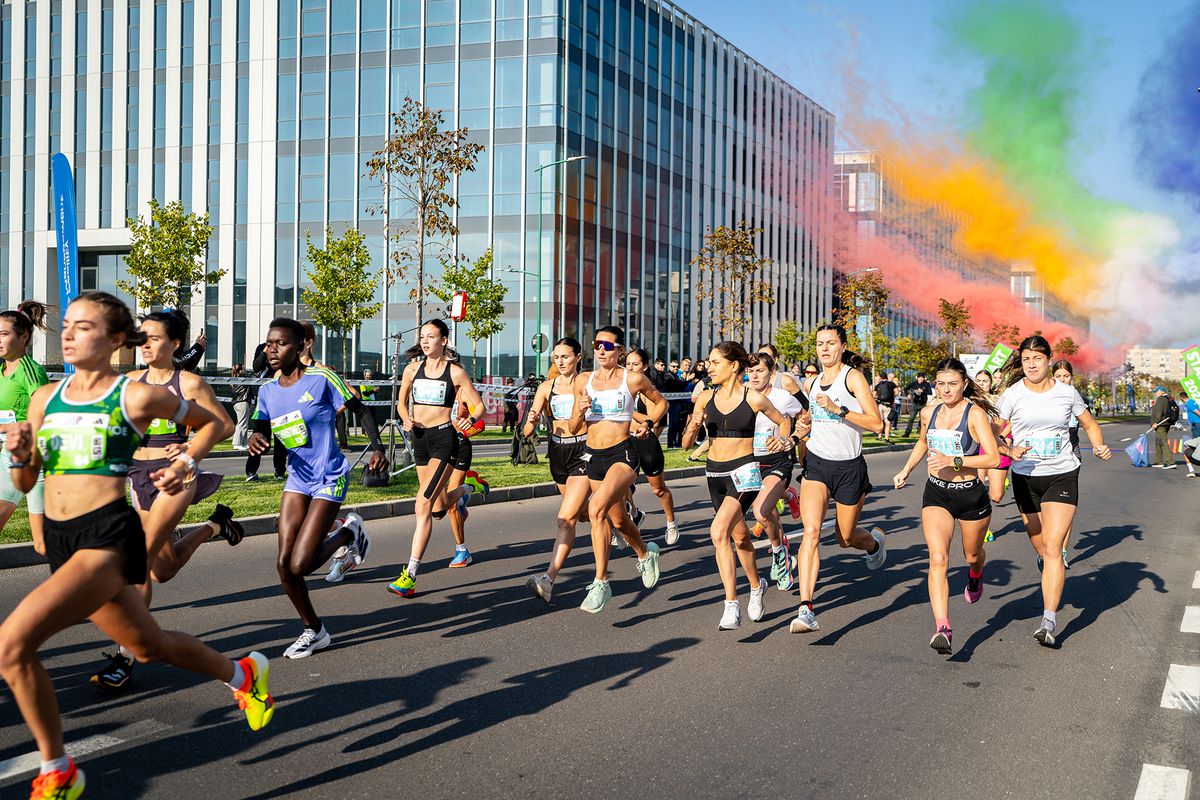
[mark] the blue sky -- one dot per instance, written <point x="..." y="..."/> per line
<point x="902" y="52"/>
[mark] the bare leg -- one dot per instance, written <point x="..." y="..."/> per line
<point x="663" y="493"/>
<point x="605" y="495"/>
<point x="304" y="545"/>
<point x="814" y="501"/>
<point x="938" y="527"/>
<point x="728" y="517"/>
<point x="1056" y="521"/>
<point x="574" y="498"/>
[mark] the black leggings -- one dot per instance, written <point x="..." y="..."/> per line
<point x="278" y="459"/>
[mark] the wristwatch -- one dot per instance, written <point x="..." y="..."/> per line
<point x="958" y="462"/>
<point x="843" y="412"/>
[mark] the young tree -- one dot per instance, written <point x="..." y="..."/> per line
<point x="956" y="321"/>
<point x="736" y="283"/>
<point x="485" y="296"/>
<point x="343" y="284"/>
<point x="1065" y="347"/>
<point x="1001" y="333"/>
<point x="167" y="254"/>
<point x="863" y="294"/>
<point x="419" y="164"/>
<point x="788" y="343"/>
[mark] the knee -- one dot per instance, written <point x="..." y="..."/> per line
<point x="146" y="651"/>
<point x="596" y="510"/>
<point x="565" y="525"/>
<point x="719" y="535"/>
<point x="285" y="566"/>
<point x="812" y="537"/>
<point x="937" y="561"/>
<point x="660" y="491"/>
<point x="14" y="654"/>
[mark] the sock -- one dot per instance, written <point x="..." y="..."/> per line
<point x="469" y="488"/>
<point x="125" y="653"/>
<point x="414" y="564"/>
<point x="239" y="677"/>
<point x="775" y="548"/>
<point x="60" y="764"/>
<point x="808" y="603"/>
<point x="1049" y="616"/>
<point x="973" y="575"/>
<point x="943" y="623"/>
<point x="460" y="548"/>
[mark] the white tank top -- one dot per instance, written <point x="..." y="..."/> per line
<point x="832" y="437"/>
<point x="764" y="429"/>
<point x="610" y="405"/>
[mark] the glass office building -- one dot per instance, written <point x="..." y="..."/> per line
<point x="263" y="112"/>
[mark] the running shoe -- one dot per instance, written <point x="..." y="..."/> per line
<point x="989" y="536"/>
<point x="1066" y="564"/>
<point x="793" y="502"/>
<point x="941" y="640"/>
<point x="253" y="478"/>
<point x="228" y="528"/>
<point x="805" y="621"/>
<point x="617" y="540"/>
<point x="405" y="585"/>
<point x="307" y="643"/>
<point x="672" y="532"/>
<point x="648" y="566"/>
<point x="875" y="560"/>
<point x="781" y="569"/>
<point x="462" y="558"/>
<point x="352" y="555"/>
<point x="461" y="505"/>
<point x="67" y="785"/>
<point x="253" y="697"/>
<point x="974" y="589"/>
<point x="779" y="506"/>
<point x="1039" y="562"/>
<point x="279" y="477"/>
<point x="541" y="586"/>
<point x="1045" y="633"/>
<point x="362" y="542"/>
<point x="638" y="516"/>
<point x="477" y="483"/>
<point x="755" y="609"/>
<point x="731" y="616"/>
<point x="598" y="595"/>
<point x="117" y="674"/>
<point x="1171" y="466"/>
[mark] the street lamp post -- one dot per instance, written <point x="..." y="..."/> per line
<point x="870" y="318"/>
<point x="539" y="170"/>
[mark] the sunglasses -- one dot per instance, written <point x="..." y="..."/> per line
<point x="607" y="347"/>
<point x="810" y="372"/>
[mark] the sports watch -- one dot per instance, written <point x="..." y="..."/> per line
<point x="958" y="463"/>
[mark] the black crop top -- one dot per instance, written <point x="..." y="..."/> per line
<point x="737" y="424"/>
<point x="428" y="391"/>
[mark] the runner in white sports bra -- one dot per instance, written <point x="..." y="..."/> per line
<point x="604" y="400"/>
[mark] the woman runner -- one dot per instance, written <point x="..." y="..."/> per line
<point x="19" y="379"/>
<point x="997" y="478"/>
<point x="164" y="333"/>
<point x="651" y="460"/>
<point x="299" y="407"/>
<point x="958" y="443"/>
<point x="776" y="467"/>
<point x="1064" y="373"/>
<point x="556" y="396"/>
<point x="457" y="513"/>
<point x="842" y="408"/>
<point x="1045" y="469"/>
<point x="733" y="473"/>
<point x="604" y="400"/>
<point x="84" y="431"/>
<point x="432" y="384"/>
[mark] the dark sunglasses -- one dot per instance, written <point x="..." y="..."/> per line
<point x="606" y="346"/>
<point x="810" y="372"/>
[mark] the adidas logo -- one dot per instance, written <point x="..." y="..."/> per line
<point x="306" y="397"/>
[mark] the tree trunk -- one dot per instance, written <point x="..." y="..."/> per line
<point x="475" y="359"/>
<point x="420" y="265"/>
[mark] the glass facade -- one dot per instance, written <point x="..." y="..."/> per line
<point x="263" y="112"/>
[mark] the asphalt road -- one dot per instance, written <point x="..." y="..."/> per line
<point x="474" y="689"/>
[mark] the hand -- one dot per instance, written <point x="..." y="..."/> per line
<point x="175" y="449"/>
<point x="1102" y="451"/>
<point x="779" y="445"/>
<point x="20" y="441"/>
<point x="1017" y="451"/>
<point x="899" y="479"/>
<point x="939" y="461"/>
<point x="170" y="480"/>
<point x="378" y="461"/>
<point x="407" y="425"/>
<point x="640" y="429"/>
<point x="464" y="424"/>
<point x="258" y="444"/>
<point x="802" y="426"/>
<point x="202" y="339"/>
<point x="826" y="402"/>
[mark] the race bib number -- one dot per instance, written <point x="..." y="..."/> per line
<point x="762" y="440"/>
<point x="74" y="441"/>
<point x="1044" y="446"/>
<point x="562" y="405"/>
<point x="747" y="478"/>
<point x="822" y="414"/>
<point x="6" y="418"/>
<point x="428" y="392"/>
<point x="946" y="442"/>
<point x="291" y="430"/>
<point x="610" y="405"/>
<point x="162" y="427"/>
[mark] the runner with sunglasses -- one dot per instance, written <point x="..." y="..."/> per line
<point x="651" y="460"/>
<point x="604" y="399"/>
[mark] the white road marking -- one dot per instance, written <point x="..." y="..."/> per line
<point x="1196" y="580"/>
<point x="1191" y="620"/>
<point x="31" y="761"/>
<point x="1127" y="439"/>
<point x="1182" y="689"/>
<point x="1162" y="783"/>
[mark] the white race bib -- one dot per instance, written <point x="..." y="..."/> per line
<point x="747" y="478"/>
<point x="6" y="418"/>
<point x="762" y="439"/>
<point x="946" y="442"/>
<point x="562" y="406"/>
<point x="428" y="392"/>
<point x="1044" y="446"/>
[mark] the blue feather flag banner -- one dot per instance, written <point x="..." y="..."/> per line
<point x="67" y="229"/>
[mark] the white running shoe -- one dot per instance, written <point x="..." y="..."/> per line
<point x="541" y="586"/>
<point x="309" y="642"/>
<point x="362" y="542"/>
<point x="672" y="532"/>
<point x="875" y="560"/>
<point x="754" y="609"/>
<point x="731" y="616"/>
<point x="805" y="621"/>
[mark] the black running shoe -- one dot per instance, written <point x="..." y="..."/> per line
<point x="229" y="528"/>
<point x="116" y="676"/>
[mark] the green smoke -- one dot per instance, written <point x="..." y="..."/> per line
<point x="1024" y="113"/>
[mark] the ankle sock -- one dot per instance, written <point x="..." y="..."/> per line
<point x="808" y="603"/>
<point x="943" y="623"/>
<point x="239" y="677"/>
<point x="61" y="764"/>
<point x="1049" y="616"/>
<point x="973" y="575"/>
<point x="775" y="548"/>
<point x="414" y="564"/>
<point x="460" y="548"/>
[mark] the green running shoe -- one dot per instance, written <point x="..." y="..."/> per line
<point x="405" y="585"/>
<point x="598" y="595"/>
<point x="648" y="566"/>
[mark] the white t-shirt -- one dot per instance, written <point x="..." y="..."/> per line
<point x="1042" y="421"/>
<point x="764" y="430"/>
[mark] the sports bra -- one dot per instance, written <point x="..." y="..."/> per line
<point x="428" y="391"/>
<point x="162" y="432"/>
<point x="610" y="405"/>
<point x="88" y="437"/>
<point x="562" y="404"/>
<point x="955" y="441"/>
<point x="737" y="424"/>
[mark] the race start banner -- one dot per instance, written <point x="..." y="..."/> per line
<point x="998" y="357"/>
<point x="1191" y="384"/>
<point x="68" y="233"/>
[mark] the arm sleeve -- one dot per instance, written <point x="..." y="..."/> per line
<point x="190" y="358"/>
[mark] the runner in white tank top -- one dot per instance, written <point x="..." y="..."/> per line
<point x="842" y="408"/>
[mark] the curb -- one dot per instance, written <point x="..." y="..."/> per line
<point x="22" y="554"/>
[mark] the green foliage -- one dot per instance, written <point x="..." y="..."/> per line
<point x="343" y="284"/>
<point x="1001" y="333"/>
<point x="917" y="355"/>
<point x="1065" y="347"/>
<point x="485" y="296"/>
<point x="418" y="166"/>
<point x="789" y="342"/>
<point x="167" y="253"/>
<point x="735" y="285"/>
<point x="956" y="321"/>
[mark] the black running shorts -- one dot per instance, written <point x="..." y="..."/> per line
<point x="965" y="500"/>
<point x="847" y="481"/>
<point x="600" y="461"/>
<point x="115" y="525"/>
<point x="566" y="458"/>
<point x="440" y="442"/>
<point x="650" y="455"/>
<point x="1030" y="491"/>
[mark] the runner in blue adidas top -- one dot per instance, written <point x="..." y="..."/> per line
<point x="299" y="407"/>
<point x="19" y="379"/>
